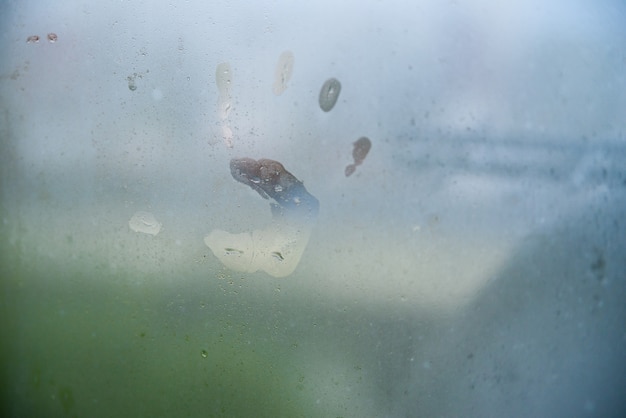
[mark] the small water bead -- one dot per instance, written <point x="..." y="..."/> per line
<point x="232" y="251"/>
<point x="132" y="81"/>
<point x="278" y="256"/>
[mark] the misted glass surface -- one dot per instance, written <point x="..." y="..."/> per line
<point x="316" y="209"/>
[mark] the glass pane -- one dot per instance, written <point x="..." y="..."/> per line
<point x="318" y="209"/>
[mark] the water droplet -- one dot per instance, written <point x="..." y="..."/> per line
<point x="132" y="86"/>
<point x="32" y="39"/>
<point x="204" y="353"/>
<point x="232" y="251"/>
<point x="278" y="255"/>
<point x="52" y="37"/>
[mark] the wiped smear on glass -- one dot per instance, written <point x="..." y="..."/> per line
<point x="329" y="94"/>
<point x="277" y="248"/>
<point x="144" y="222"/>
<point x="283" y="72"/>
<point x="223" y="79"/>
<point x="361" y="148"/>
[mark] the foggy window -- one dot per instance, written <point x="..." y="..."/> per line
<point x="313" y="209"/>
